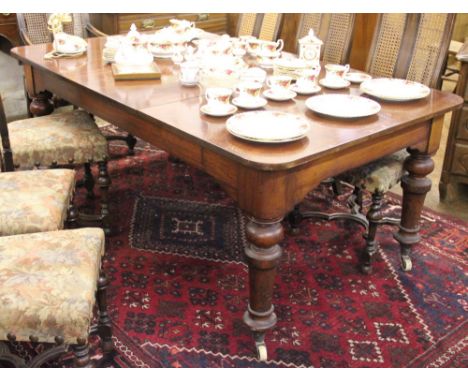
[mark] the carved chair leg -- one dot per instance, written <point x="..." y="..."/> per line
<point x="88" y="181"/>
<point x="337" y="187"/>
<point x="41" y="104"/>
<point x="104" y="182"/>
<point x="72" y="216"/>
<point x="374" y="216"/>
<point x="131" y="142"/>
<point x="81" y="352"/>
<point x="104" y="323"/>
<point x="294" y="220"/>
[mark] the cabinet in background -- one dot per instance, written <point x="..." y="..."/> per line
<point x="117" y="23"/>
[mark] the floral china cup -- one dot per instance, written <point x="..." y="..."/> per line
<point x="188" y="72"/>
<point x="271" y="48"/>
<point x="308" y="78"/>
<point x="335" y="72"/>
<point x="279" y="84"/>
<point x="249" y="91"/>
<point x="218" y="98"/>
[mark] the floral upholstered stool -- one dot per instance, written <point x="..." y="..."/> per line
<point x="35" y="201"/>
<point x="49" y="283"/>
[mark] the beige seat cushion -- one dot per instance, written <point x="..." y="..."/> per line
<point x="34" y="201"/>
<point x="62" y="138"/>
<point x="380" y="175"/>
<point x="48" y="282"/>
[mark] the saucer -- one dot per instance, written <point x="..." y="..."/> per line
<point x="216" y="112"/>
<point x="357" y="77"/>
<point x="188" y="83"/>
<point x="253" y="103"/>
<point x="305" y="91"/>
<point x="334" y="84"/>
<point x="284" y="96"/>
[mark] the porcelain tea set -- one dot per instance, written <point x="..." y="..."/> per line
<point x="64" y="44"/>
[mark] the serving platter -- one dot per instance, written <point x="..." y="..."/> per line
<point x="342" y="105"/>
<point x="268" y="126"/>
<point x="394" y="89"/>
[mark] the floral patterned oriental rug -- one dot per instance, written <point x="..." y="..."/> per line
<point x="179" y="281"/>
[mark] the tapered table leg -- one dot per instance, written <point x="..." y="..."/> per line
<point x="263" y="252"/>
<point x="415" y="187"/>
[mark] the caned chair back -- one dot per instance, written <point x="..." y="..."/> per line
<point x="247" y="25"/>
<point x="265" y="26"/>
<point x="34" y="29"/>
<point x="335" y="30"/>
<point x="270" y="26"/>
<point x="411" y="46"/>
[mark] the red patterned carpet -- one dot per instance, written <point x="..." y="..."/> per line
<point x="179" y="282"/>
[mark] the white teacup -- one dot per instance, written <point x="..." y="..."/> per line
<point x="249" y="91"/>
<point x="188" y="72"/>
<point x="279" y="84"/>
<point x="335" y="72"/>
<point x="308" y="79"/>
<point x="218" y="98"/>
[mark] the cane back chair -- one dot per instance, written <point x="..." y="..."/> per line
<point x="58" y="140"/>
<point x="335" y="30"/>
<point x="33" y="28"/>
<point x="408" y="46"/>
<point x="265" y="26"/>
<point x="49" y="284"/>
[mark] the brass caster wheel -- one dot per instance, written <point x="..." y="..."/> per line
<point x="262" y="353"/>
<point x="406" y="263"/>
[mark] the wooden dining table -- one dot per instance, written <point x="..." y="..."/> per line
<point x="266" y="180"/>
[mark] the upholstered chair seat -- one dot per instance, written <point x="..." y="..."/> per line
<point x="378" y="176"/>
<point x="58" y="139"/>
<point x="48" y="282"/>
<point x="35" y="201"/>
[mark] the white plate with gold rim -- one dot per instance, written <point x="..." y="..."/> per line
<point x="268" y="126"/>
<point x="285" y="95"/>
<point x="343" y="105"/>
<point x="394" y="89"/>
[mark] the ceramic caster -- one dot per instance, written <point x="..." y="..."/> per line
<point x="262" y="353"/>
<point x="406" y="264"/>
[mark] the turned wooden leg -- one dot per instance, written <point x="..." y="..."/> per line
<point x="374" y="216"/>
<point x="104" y="184"/>
<point x="415" y="187"/>
<point x="41" y="104"/>
<point x="88" y="181"/>
<point x="337" y="187"/>
<point x="72" y="216"/>
<point x="294" y="219"/>
<point x="81" y="352"/>
<point x="131" y="142"/>
<point x="104" y="323"/>
<point x="263" y="253"/>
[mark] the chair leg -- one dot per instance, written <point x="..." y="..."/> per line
<point x="337" y="187"/>
<point x="72" y="216"/>
<point x="81" y="352"/>
<point x="88" y="181"/>
<point x="294" y="219"/>
<point x="374" y="216"/>
<point x="131" y="142"/>
<point x="104" y="322"/>
<point x="104" y="183"/>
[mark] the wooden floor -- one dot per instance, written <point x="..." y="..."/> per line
<point x="11" y="90"/>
